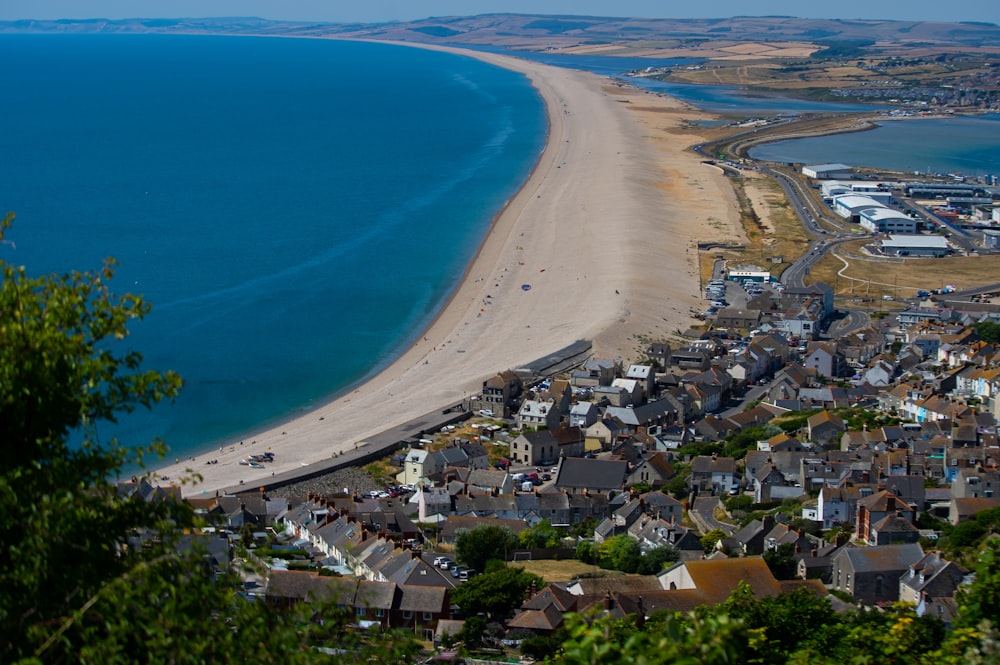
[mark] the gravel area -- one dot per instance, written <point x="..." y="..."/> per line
<point x="355" y="479"/>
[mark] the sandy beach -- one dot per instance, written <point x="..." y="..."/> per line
<point x="604" y="231"/>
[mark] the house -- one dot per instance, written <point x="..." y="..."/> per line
<point x="825" y="427"/>
<point x="871" y="574"/>
<point x="535" y="414"/>
<point x="962" y="510"/>
<point x="930" y="584"/>
<point x="654" y="470"/>
<point x="713" y="580"/>
<point x="976" y="484"/>
<point x="750" y="539"/>
<point x="596" y="372"/>
<point x="644" y="376"/>
<point x="547" y="446"/>
<point x="876" y="507"/>
<point x="893" y="530"/>
<point x="605" y="433"/>
<point x="579" y="474"/>
<point x="714" y="474"/>
<point x="583" y="415"/>
<point x="839" y="505"/>
<point x="414" y="467"/>
<point x="501" y="394"/>
<point x="631" y="391"/>
<point x="817" y="563"/>
<point x="826" y="359"/>
<point x="652" y="415"/>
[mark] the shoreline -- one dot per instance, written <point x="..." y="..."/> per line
<point x="579" y="230"/>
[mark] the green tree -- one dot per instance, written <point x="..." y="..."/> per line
<point x="540" y="535"/>
<point x="619" y="553"/>
<point x="981" y="599"/>
<point x="586" y="551"/>
<point x="474" y="547"/>
<point x="781" y="561"/>
<point x="709" y="540"/>
<point x="988" y="331"/>
<point x="656" y="559"/>
<point x="495" y="594"/>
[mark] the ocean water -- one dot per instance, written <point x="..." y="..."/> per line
<point x="715" y="98"/>
<point x="296" y="211"/>
<point x="966" y="145"/>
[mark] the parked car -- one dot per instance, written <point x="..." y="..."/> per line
<point x="488" y="413"/>
<point x="466" y="574"/>
<point x="456" y="571"/>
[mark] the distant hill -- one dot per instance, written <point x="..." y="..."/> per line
<point x="623" y="36"/>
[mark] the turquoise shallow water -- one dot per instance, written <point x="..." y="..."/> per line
<point x="295" y="210"/>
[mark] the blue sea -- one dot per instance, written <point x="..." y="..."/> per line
<point x="296" y="211"/>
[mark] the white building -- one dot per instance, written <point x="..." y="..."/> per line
<point x="886" y="220"/>
<point x="900" y="245"/>
<point x="849" y="206"/>
<point x="826" y="171"/>
<point x="874" y="190"/>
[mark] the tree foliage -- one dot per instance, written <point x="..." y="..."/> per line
<point x="495" y="594"/>
<point x="475" y="547"/>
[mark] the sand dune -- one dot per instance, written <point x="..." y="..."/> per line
<point x="603" y="231"/>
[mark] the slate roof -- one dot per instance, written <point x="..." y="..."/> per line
<point x="422" y="599"/>
<point x="883" y="558"/>
<point x="593" y="474"/>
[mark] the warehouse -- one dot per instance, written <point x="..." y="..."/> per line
<point x="826" y="171"/>
<point x="886" y="220"/>
<point x="901" y="245"/>
<point x="849" y="206"/>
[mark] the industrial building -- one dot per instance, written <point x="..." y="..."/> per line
<point x="849" y="206"/>
<point x="904" y="245"/>
<point x="886" y="220"/>
<point x="826" y="171"/>
<point x="873" y="190"/>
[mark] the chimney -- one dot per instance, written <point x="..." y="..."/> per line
<point x="607" y="601"/>
<point x="812" y="552"/>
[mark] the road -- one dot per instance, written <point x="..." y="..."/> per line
<point x="702" y="513"/>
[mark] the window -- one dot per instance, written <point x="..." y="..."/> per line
<point x="428" y="616"/>
<point x="380" y="612"/>
<point x="407" y="614"/>
<point x="360" y="611"/>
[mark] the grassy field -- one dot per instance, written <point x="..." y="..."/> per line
<point x="564" y="570"/>
<point x="871" y="277"/>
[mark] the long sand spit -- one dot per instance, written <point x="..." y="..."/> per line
<point x="603" y="230"/>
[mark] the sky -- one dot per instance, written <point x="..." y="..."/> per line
<point x="346" y="11"/>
